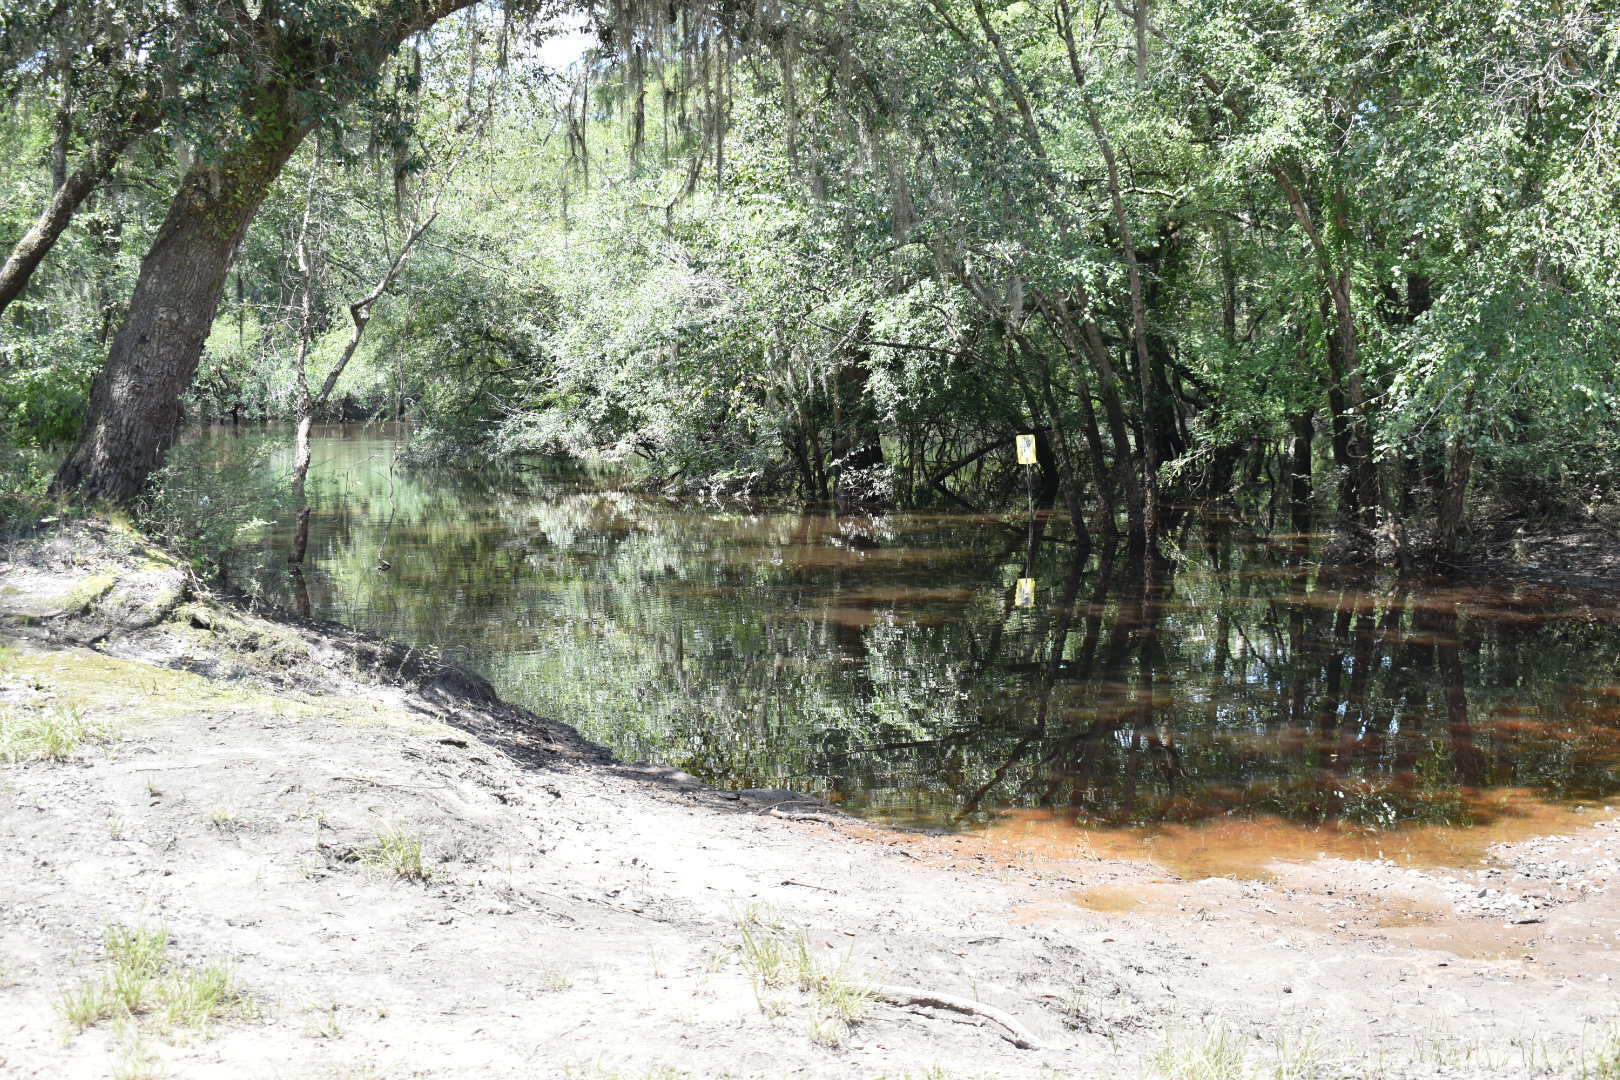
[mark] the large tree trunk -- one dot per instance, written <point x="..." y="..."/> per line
<point x="135" y="408"/>
<point x="135" y="403"/>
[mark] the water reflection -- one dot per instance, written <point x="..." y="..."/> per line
<point x="881" y="661"/>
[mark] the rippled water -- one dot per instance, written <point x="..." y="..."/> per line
<point x="880" y="660"/>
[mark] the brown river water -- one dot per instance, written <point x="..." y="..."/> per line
<point x="1241" y="703"/>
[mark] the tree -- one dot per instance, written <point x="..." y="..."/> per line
<point x="300" y="66"/>
<point x="413" y="226"/>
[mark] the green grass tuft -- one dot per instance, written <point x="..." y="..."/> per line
<point x="54" y="734"/>
<point x="138" y="957"/>
<point x="838" y="1002"/>
<point x="195" y="997"/>
<point x="144" y="980"/>
<point x="1605" y="1064"/>
<point x="400" y="854"/>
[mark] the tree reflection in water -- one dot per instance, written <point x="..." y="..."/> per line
<point x="881" y="661"/>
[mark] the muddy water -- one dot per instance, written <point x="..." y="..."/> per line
<point x="1245" y="704"/>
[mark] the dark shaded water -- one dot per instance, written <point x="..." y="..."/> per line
<point x="880" y="661"/>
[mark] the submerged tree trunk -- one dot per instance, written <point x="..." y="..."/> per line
<point x="301" y="459"/>
<point x="1453" y="498"/>
<point x="1113" y="412"/>
<point x="1144" y="361"/>
<point x="1299" y="471"/>
<point x="1356" y="424"/>
<point x="857" y="445"/>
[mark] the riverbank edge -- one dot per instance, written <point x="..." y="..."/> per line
<point x="101" y="584"/>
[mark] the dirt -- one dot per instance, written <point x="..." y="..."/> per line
<point x="583" y="917"/>
<point x="1579" y="549"/>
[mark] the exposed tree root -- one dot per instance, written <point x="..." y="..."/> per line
<point x="1013" y="1031"/>
<point x="802" y="815"/>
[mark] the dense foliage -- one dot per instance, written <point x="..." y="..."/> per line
<point x="1357" y="255"/>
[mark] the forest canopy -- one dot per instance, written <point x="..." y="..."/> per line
<point x="1355" y="259"/>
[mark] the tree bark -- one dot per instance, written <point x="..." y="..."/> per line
<point x="1139" y="24"/>
<point x="62" y="128"/>
<point x="135" y="409"/>
<point x="1453" y="499"/>
<point x="1299" y="471"/>
<point x="1144" y="361"/>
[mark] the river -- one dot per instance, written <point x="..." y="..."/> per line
<point x="1249" y="700"/>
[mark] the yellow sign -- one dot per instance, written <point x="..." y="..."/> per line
<point x="1024" y="594"/>
<point x="1026" y="450"/>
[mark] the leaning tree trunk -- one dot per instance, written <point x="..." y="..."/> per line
<point x="135" y="403"/>
<point x="359" y="318"/>
<point x="135" y="407"/>
<point x="37" y="242"/>
<point x="306" y="400"/>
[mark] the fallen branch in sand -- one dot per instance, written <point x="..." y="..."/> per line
<point x="1015" y="1032"/>
<point x="801" y="815"/>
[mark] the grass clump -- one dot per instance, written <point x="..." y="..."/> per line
<point x="1605" y="1064"/>
<point x="138" y="1063"/>
<point x="1220" y="1057"/>
<point x="1224" y="1055"/>
<point x="55" y="734"/>
<point x="144" y="981"/>
<point x="775" y="962"/>
<point x="224" y="819"/>
<point x="85" y="1005"/>
<point x="400" y="854"/>
<point x="764" y="956"/>
<point x="139" y="957"/>
<point x="194" y="997"/>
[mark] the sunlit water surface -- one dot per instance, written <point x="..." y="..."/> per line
<point x="1245" y="705"/>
